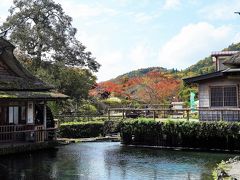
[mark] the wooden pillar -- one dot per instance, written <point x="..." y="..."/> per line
<point x="44" y="133"/>
<point x="14" y="133"/>
<point x="154" y="115"/>
<point x="108" y="114"/>
<point x="221" y="114"/>
<point x="45" y="115"/>
<point x="188" y="114"/>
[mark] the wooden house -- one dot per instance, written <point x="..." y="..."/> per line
<point x="219" y="93"/>
<point x="24" y="115"/>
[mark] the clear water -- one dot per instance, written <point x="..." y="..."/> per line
<point x="111" y="161"/>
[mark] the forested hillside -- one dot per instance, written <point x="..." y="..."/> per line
<point x="156" y="84"/>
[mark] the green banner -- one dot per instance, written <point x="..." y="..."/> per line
<point x="192" y="100"/>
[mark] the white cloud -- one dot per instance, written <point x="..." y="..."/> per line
<point x="112" y="65"/>
<point x="171" y="4"/>
<point x="140" y="55"/>
<point x="220" y="10"/>
<point x="192" y="43"/>
<point x="78" y="10"/>
<point x="236" y="38"/>
<point x="5" y="5"/>
<point x="142" y="17"/>
<point x="111" y="60"/>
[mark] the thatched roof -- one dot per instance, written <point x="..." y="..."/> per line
<point x="31" y="95"/>
<point x="233" y="61"/>
<point x="13" y="76"/>
<point x="18" y="83"/>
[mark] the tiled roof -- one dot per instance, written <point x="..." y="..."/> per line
<point x="233" y="60"/>
<point x="223" y="53"/>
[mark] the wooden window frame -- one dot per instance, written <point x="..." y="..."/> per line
<point x="237" y="93"/>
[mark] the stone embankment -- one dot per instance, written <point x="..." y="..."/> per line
<point x="65" y="141"/>
<point x="228" y="170"/>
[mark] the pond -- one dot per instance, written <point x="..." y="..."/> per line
<point x="111" y="161"/>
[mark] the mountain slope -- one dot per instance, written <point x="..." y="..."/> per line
<point x="140" y="72"/>
<point x="157" y="84"/>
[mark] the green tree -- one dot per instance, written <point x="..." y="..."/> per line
<point x="185" y="90"/>
<point x="41" y="29"/>
<point x="76" y="82"/>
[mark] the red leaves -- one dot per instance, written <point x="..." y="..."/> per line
<point x="154" y="87"/>
<point x="158" y="87"/>
<point x="111" y="87"/>
<point x="108" y="86"/>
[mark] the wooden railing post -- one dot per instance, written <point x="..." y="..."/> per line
<point x="14" y="133"/>
<point x="123" y="113"/>
<point x="188" y="114"/>
<point x="221" y="119"/>
<point x="108" y="114"/>
<point x="154" y="115"/>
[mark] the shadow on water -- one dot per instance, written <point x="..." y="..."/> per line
<point x="40" y="165"/>
<point x="108" y="161"/>
<point x="161" y="164"/>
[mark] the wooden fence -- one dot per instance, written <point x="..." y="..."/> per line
<point x="150" y="113"/>
<point x="226" y="114"/>
<point x="203" y="114"/>
<point x="21" y="133"/>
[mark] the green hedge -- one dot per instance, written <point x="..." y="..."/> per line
<point x="205" y="135"/>
<point x="81" y="129"/>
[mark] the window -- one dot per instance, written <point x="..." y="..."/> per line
<point x="223" y="96"/>
<point x="217" y="96"/>
<point x="13" y="115"/>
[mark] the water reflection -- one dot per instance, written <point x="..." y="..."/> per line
<point x="160" y="164"/>
<point x="39" y="165"/>
<point x="108" y="161"/>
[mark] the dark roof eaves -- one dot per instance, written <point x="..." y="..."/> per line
<point x="20" y="90"/>
<point x="196" y="79"/>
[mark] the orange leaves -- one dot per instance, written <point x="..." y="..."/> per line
<point x="109" y="87"/>
<point x="153" y="87"/>
<point x="158" y="87"/>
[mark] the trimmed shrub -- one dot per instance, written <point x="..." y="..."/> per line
<point x="113" y="102"/>
<point x="205" y="135"/>
<point x="111" y="126"/>
<point x="81" y="129"/>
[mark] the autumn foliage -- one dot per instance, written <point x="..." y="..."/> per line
<point x="153" y="87"/>
<point x="157" y="87"/>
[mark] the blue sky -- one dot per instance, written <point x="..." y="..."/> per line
<point x="126" y="35"/>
